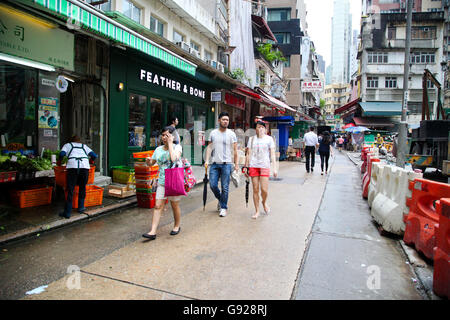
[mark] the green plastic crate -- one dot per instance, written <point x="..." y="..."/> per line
<point x="123" y="175"/>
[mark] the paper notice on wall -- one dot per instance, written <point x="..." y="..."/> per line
<point x="48" y="113"/>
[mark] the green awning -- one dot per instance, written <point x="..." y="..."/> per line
<point x="381" y="108"/>
<point x="101" y="24"/>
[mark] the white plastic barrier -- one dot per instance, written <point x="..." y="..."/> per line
<point x="389" y="204"/>
<point x="375" y="181"/>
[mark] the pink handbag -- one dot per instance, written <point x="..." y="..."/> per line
<point x="174" y="182"/>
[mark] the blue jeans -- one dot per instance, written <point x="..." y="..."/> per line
<point x="224" y="172"/>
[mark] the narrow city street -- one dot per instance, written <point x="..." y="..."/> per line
<point x="229" y="258"/>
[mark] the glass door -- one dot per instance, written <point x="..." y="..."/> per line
<point x="137" y="124"/>
<point x="156" y="122"/>
<point x="195" y="123"/>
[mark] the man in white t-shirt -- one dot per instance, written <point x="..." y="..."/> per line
<point x="311" y="142"/>
<point x="222" y="142"/>
<point x="260" y="153"/>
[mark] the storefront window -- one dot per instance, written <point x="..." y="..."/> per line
<point x="175" y="109"/>
<point x="156" y="122"/>
<point x="236" y="117"/>
<point x="18" y="87"/>
<point x="137" y="120"/>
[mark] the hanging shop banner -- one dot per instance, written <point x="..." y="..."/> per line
<point x="48" y="113"/>
<point x="30" y="38"/>
<point x="235" y="101"/>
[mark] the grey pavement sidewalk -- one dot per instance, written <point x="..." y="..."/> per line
<point x="35" y="221"/>
<point x="346" y="257"/>
<point x="232" y="258"/>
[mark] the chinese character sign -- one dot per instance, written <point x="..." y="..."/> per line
<point x="312" y="86"/>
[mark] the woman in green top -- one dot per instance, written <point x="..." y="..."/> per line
<point x="164" y="155"/>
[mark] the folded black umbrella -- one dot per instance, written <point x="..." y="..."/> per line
<point x="247" y="184"/>
<point x="205" y="188"/>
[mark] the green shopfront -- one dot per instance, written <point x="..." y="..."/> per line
<point x="145" y="94"/>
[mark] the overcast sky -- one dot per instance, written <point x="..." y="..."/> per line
<point x="319" y="23"/>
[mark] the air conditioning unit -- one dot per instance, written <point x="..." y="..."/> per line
<point x="220" y="67"/>
<point x="212" y="63"/>
<point x="195" y="53"/>
<point x="183" y="45"/>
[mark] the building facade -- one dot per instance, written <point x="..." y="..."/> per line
<point x="382" y="59"/>
<point x="341" y="42"/>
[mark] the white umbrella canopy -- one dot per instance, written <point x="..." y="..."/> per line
<point x="357" y="129"/>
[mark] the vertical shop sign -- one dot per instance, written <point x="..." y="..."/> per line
<point x="48" y="112"/>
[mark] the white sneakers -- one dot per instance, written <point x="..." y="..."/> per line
<point x="223" y="212"/>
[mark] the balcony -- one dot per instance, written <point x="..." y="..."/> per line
<point x="415" y="44"/>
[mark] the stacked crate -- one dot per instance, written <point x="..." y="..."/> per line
<point x="146" y="178"/>
<point x="94" y="194"/>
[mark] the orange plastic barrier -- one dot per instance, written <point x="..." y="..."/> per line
<point x="422" y="219"/>
<point x="367" y="175"/>
<point x="441" y="273"/>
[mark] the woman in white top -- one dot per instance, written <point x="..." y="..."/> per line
<point x="260" y="153"/>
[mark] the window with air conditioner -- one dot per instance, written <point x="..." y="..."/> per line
<point x="195" y="46"/>
<point x="177" y="37"/>
<point x="208" y="56"/>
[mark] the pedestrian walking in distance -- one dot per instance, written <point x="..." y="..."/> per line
<point x="311" y="142"/>
<point x="222" y="151"/>
<point x="164" y="156"/>
<point x="260" y="153"/>
<point x="340" y="142"/>
<point x="325" y="150"/>
<point x="173" y="123"/>
<point x="80" y="157"/>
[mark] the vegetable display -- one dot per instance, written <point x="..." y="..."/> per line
<point x="24" y="163"/>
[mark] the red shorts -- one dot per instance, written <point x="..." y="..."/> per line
<point x="259" y="172"/>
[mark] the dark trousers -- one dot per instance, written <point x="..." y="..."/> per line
<point x="76" y="177"/>
<point x="310" y="154"/>
<point x="324" y="157"/>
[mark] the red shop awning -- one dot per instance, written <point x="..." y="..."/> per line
<point x="346" y="107"/>
<point x="273" y="101"/>
<point x="263" y="28"/>
<point x="248" y="92"/>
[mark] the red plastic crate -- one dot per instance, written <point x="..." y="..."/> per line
<point x="35" y="196"/>
<point x="94" y="197"/>
<point x="61" y="175"/>
<point x="8" y="176"/>
<point x="146" y="200"/>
